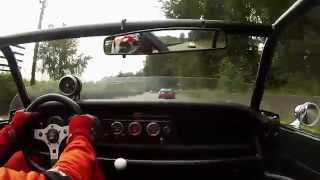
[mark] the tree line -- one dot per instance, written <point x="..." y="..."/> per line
<point x="294" y="60"/>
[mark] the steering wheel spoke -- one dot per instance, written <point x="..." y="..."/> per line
<point x="52" y="136"/>
<point x="54" y="152"/>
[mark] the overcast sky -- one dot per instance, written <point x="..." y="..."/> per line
<point x="22" y="15"/>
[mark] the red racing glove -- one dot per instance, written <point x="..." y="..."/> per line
<point x="82" y="125"/>
<point x="14" y="132"/>
<point x="21" y="120"/>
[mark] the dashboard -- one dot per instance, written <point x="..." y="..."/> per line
<point x="167" y="139"/>
<point x="164" y="134"/>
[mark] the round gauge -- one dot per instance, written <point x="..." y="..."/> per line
<point x="69" y="85"/>
<point x="135" y="128"/>
<point x="117" y="128"/>
<point x="153" y="129"/>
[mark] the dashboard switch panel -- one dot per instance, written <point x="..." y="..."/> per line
<point x="138" y="128"/>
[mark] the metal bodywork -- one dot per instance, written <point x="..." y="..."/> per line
<point x="271" y="32"/>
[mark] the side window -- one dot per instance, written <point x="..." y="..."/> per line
<point x="293" y="86"/>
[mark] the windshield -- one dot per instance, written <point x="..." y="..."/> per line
<point x="33" y="15"/>
<point x="224" y="75"/>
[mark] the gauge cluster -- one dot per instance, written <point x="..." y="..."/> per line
<point x="120" y="130"/>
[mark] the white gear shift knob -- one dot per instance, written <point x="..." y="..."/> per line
<point x="120" y="164"/>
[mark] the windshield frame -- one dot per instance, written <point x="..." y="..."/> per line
<point x="110" y="29"/>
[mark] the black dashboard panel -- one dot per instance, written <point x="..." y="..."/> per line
<point x="197" y="130"/>
<point x="224" y="137"/>
<point x="178" y="123"/>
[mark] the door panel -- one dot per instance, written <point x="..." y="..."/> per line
<point x="297" y="154"/>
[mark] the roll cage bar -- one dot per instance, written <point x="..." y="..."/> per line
<point x="271" y="32"/>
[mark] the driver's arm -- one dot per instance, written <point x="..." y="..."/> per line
<point x="77" y="160"/>
<point x="13" y="134"/>
<point x="10" y="138"/>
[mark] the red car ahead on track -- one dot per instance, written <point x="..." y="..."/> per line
<point x="167" y="94"/>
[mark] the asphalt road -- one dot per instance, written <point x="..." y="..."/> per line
<point x="148" y="96"/>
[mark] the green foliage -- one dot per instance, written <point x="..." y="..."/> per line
<point x="264" y="11"/>
<point x="43" y="87"/>
<point x="242" y="51"/>
<point x="8" y="91"/>
<point x="131" y="74"/>
<point x="60" y="57"/>
<point x="127" y="74"/>
<point x="104" y="89"/>
<point x="170" y="40"/>
<point x="113" y="88"/>
<point x="209" y="65"/>
<point x="231" y="78"/>
<point x="183" y="8"/>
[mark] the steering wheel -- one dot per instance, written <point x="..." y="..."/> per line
<point x="53" y="134"/>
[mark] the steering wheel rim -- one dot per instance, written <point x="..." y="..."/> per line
<point x="69" y="103"/>
<point x="76" y="109"/>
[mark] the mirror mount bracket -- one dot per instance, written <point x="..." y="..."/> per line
<point x="203" y="21"/>
<point x="123" y="24"/>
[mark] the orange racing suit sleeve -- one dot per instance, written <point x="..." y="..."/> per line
<point x="78" y="160"/>
<point x="10" y="174"/>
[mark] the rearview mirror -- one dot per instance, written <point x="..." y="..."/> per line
<point x="164" y="41"/>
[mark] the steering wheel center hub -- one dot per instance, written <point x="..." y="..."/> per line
<point x="53" y="135"/>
